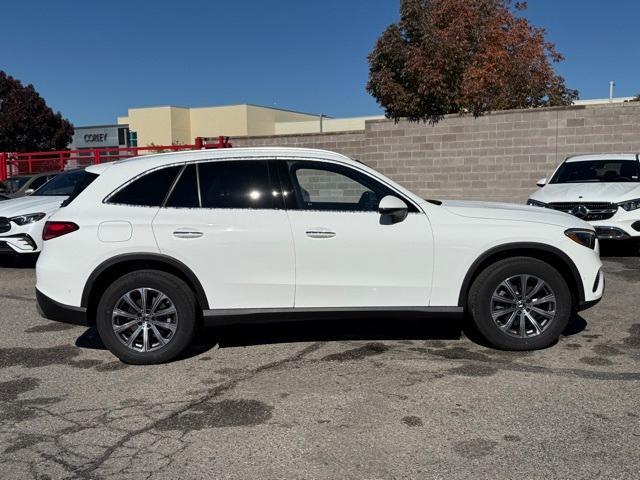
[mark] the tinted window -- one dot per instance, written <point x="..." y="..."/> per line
<point x="239" y="184"/>
<point x="185" y="192"/>
<point x="597" y="171"/>
<point x="149" y="190"/>
<point x="64" y="184"/>
<point x="38" y="182"/>
<point x="79" y="187"/>
<point x="14" y="184"/>
<point x="325" y="186"/>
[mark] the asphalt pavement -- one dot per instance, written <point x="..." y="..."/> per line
<point x="324" y="400"/>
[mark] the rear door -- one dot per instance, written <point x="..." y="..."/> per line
<point x="224" y="222"/>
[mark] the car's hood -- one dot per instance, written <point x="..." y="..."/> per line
<point x="33" y="204"/>
<point x="588" y="192"/>
<point x="513" y="212"/>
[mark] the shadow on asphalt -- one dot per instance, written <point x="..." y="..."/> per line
<point x="306" y="331"/>
<point x="27" y="260"/>
<point x="326" y="331"/>
<point x="624" y="248"/>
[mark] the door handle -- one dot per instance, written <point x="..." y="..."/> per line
<point x="187" y="234"/>
<point x="320" y="233"/>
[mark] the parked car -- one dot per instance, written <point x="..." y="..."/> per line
<point x="23" y="185"/>
<point x="22" y="219"/>
<point x="157" y="244"/>
<point x="603" y="190"/>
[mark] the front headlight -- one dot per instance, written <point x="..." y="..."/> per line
<point x="586" y="238"/>
<point x="630" y="204"/>
<point x="28" y="218"/>
<point x="536" y="203"/>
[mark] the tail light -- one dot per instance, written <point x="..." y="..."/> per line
<point x="57" y="229"/>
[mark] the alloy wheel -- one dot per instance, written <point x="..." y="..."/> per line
<point x="523" y="306"/>
<point x="144" y="319"/>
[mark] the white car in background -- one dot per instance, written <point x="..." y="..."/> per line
<point x="157" y="244"/>
<point x="603" y="190"/>
<point x="22" y="219"/>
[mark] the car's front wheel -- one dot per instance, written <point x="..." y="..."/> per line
<point x="147" y="317"/>
<point x="520" y="303"/>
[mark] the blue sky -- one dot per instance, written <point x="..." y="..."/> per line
<point x="93" y="60"/>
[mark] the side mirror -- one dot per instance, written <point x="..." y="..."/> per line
<point x="394" y="208"/>
<point x="29" y="191"/>
<point x="542" y="182"/>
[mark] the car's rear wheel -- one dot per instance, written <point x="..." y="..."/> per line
<point x="520" y="303"/>
<point x="147" y="317"/>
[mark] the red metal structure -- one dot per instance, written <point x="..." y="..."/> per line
<point x="12" y="164"/>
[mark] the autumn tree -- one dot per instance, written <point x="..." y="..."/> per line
<point x="458" y="56"/>
<point x="26" y="122"/>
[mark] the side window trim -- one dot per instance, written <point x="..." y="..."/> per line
<point x="173" y="186"/>
<point x="284" y="170"/>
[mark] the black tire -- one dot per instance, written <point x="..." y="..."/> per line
<point x="179" y="294"/>
<point x="481" y="292"/>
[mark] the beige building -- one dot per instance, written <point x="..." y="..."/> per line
<point x="181" y="125"/>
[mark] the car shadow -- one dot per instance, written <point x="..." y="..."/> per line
<point x="25" y="260"/>
<point x="380" y="329"/>
<point x="619" y="248"/>
<point x="245" y="335"/>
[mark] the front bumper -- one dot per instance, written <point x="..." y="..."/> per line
<point x="622" y="226"/>
<point x="18" y="243"/>
<point x="52" y="310"/>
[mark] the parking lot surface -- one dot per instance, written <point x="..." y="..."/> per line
<point x="341" y="399"/>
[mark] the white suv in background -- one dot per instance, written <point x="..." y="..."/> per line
<point x="22" y="219"/>
<point x="603" y="190"/>
<point x="159" y="243"/>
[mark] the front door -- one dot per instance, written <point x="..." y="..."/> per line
<point x="223" y="221"/>
<point x="347" y="254"/>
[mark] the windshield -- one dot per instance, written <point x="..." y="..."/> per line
<point x="15" y="183"/>
<point x="65" y="184"/>
<point x="597" y="171"/>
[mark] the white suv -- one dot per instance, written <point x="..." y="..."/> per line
<point x="603" y="190"/>
<point x="157" y="244"/>
<point x="22" y="219"/>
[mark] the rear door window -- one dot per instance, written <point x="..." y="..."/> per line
<point x="185" y="192"/>
<point x="236" y="184"/>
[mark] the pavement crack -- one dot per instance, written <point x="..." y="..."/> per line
<point x="86" y="473"/>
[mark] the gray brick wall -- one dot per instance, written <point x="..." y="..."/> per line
<point x="497" y="157"/>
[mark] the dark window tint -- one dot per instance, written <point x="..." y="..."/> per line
<point x="38" y="182"/>
<point x="597" y="171"/>
<point x="83" y="182"/>
<point x="149" y="190"/>
<point x="239" y="184"/>
<point x="64" y="184"/>
<point x="185" y="192"/>
<point x="330" y="187"/>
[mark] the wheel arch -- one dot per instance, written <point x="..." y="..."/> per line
<point x="120" y="265"/>
<point x="547" y="253"/>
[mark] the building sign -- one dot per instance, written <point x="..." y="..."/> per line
<point x="100" y="136"/>
<point x="95" y="137"/>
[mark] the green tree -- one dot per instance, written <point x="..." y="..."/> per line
<point x="26" y="122"/>
<point x="458" y="56"/>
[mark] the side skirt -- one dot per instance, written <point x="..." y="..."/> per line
<point x="271" y="315"/>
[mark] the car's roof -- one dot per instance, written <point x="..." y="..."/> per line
<point x="603" y="156"/>
<point x="121" y="171"/>
<point x="146" y="162"/>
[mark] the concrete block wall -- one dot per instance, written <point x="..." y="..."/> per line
<point x="498" y="157"/>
